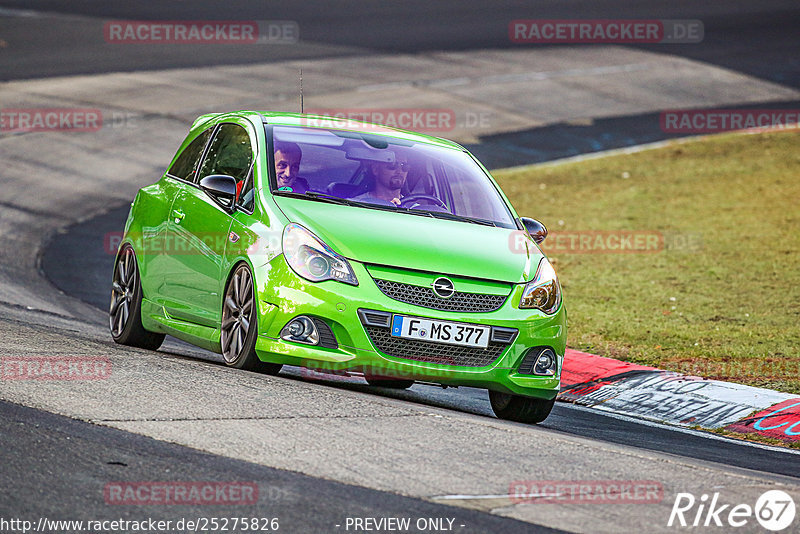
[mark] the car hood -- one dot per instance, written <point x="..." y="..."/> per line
<point x="417" y="242"/>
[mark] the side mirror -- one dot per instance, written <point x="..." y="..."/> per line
<point x="220" y="187"/>
<point x="537" y="230"/>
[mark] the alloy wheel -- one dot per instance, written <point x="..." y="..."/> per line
<point x="237" y="313"/>
<point x="123" y="291"/>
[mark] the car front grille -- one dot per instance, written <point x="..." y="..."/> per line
<point x="426" y="351"/>
<point x="426" y="298"/>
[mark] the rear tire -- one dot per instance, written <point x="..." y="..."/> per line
<point x="520" y="409"/>
<point x="391" y="384"/>
<point x="125" y="310"/>
<point x="240" y="324"/>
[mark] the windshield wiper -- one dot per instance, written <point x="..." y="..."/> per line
<point x="313" y="195"/>
<point x="333" y="199"/>
<point x="326" y="196"/>
<point x="454" y="217"/>
<point x="348" y="202"/>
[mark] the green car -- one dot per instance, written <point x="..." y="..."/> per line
<point x="342" y="247"/>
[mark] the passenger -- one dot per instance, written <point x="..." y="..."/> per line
<point x="287" y="165"/>
<point x="387" y="181"/>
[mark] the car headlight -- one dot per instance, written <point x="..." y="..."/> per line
<point x="543" y="292"/>
<point x="312" y="259"/>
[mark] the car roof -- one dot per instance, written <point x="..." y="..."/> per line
<point x="326" y="122"/>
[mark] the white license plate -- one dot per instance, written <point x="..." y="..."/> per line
<point x="468" y="335"/>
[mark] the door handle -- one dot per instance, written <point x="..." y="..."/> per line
<point x="179" y="215"/>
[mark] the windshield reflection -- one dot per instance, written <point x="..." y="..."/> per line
<point x="382" y="172"/>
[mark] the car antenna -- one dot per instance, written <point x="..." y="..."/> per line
<point x="301" y="90"/>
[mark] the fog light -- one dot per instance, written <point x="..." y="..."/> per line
<point x="540" y="361"/>
<point x="296" y="328"/>
<point x="545" y="363"/>
<point x="301" y="330"/>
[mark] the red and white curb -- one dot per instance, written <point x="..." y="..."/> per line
<point x="668" y="397"/>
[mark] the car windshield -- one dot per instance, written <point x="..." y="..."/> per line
<point x="367" y="170"/>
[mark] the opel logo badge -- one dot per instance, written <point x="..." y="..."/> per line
<point x="443" y="287"/>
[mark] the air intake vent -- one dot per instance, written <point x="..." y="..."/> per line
<point x="375" y="318"/>
<point x="326" y="337"/>
<point x="503" y="335"/>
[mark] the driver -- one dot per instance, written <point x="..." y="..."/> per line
<point x="287" y="165"/>
<point x="388" y="179"/>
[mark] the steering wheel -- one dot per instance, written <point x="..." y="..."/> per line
<point x="413" y="199"/>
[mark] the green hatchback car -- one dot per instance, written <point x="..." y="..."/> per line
<point x="342" y="247"/>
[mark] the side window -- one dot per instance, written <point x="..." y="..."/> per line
<point x="247" y="194"/>
<point x="186" y="163"/>
<point x="230" y="153"/>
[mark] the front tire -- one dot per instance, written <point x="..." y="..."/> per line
<point x="240" y="324"/>
<point x="125" y="311"/>
<point x="520" y="409"/>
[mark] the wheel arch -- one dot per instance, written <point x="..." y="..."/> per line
<point x="234" y="264"/>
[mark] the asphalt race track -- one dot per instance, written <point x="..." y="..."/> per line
<point x="322" y="450"/>
<point x="96" y="455"/>
<point x="755" y="38"/>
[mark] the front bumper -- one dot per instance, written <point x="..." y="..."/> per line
<point x="363" y="348"/>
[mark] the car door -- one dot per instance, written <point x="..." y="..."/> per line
<point x="199" y="230"/>
<point x="153" y="211"/>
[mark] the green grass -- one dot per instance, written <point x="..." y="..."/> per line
<point x="727" y="308"/>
